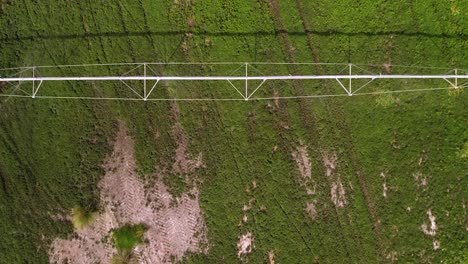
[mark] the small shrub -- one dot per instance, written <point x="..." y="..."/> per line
<point x="385" y="99"/>
<point x="82" y="216"/>
<point x="127" y="237"/>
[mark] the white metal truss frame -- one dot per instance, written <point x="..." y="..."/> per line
<point x="345" y="81"/>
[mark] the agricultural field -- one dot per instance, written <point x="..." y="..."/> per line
<point x="377" y="178"/>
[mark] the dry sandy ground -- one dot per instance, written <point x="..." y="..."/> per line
<point x="384" y="185"/>
<point x="271" y="257"/>
<point x="338" y="194"/>
<point x="304" y="166"/>
<point x="303" y="162"/>
<point x="311" y="209"/>
<point x="431" y="229"/>
<point x="175" y="226"/>
<point x="420" y="180"/>
<point x="329" y="161"/>
<point x="337" y="190"/>
<point x="245" y="244"/>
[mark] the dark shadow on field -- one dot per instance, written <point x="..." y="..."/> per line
<point x="232" y="34"/>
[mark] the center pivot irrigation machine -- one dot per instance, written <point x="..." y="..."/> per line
<point x="223" y="81"/>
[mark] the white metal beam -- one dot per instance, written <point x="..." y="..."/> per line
<point x="343" y="77"/>
<point x="225" y="78"/>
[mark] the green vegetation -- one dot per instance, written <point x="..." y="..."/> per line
<point x="51" y="151"/>
<point x="82" y="216"/>
<point x="127" y="237"/>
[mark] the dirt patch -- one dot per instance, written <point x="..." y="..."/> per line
<point x="435" y="245"/>
<point x="385" y="189"/>
<point x="311" y="192"/>
<point x="245" y="209"/>
<point x="245" y="245"/>
<point x="329" y="161"/>
<point x="420" y="180"/>
<point x="384" y="185"/>
<point x="303" y="162"/>
<point x="191" y="23"/>
<point x="87" y="246"/>
<point x="254" y="184"/>
<point x="422" y="159"/>
<point x="276" y="99"/>
<point x="248" y="206"/>
<point x="252" y="187"/>
<point x="392" y="256"/>
<point x="338" y="194"/>
<point x="271" y="257"/>
<point x="244" y="219"/>
<point x="183" y="164"/>
<point x="337" y="190"/>
<point x="311" y="210"/>
<point x="387" y="68"/>
<point x="175" y="226"/>
<point x="431" y="229"/>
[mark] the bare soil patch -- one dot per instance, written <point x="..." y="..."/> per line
<point x="384" y="185"/>
<point x="337" y="190"/>
<point x="329" y="161"/>
<point x="311" y="210"/>
<point x="338" y="194"/>
<point x="183" y="164"/>
<point x="387" y="67"/>
<point x="248" y="206"/>
<point x="436" y="244"/>
<point x="420" y="180"/>
<point x="175" y="226"/>
<point x="245" y="244"/>
<point x="431" y="228"/>
<point x="276" y="99"/>
<point x="392" y="256"/>
<point x="271" y="257"/>
<point x="303" y="162"/>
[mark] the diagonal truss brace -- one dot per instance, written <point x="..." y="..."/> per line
<point x="133" y="90"/>
<point x="260" y="85"/>
<point x="151" y="90"/>
<point x="35" y="88"/>
<point x="144" y="81"/>
<point x="455" y="83"/>
<point x="233" y="86"/>
<point x="18" y="87"/>
<point x="349" y="89"/>
<point x="247" y="96"/>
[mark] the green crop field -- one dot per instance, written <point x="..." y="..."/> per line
<point x="399" y="158"/>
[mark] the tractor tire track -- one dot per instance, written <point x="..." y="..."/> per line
<point x="311" y="45"/>
<point x="309" y="118"/>
<point x="96" y="24"/>
<point x="338" y="114"/>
